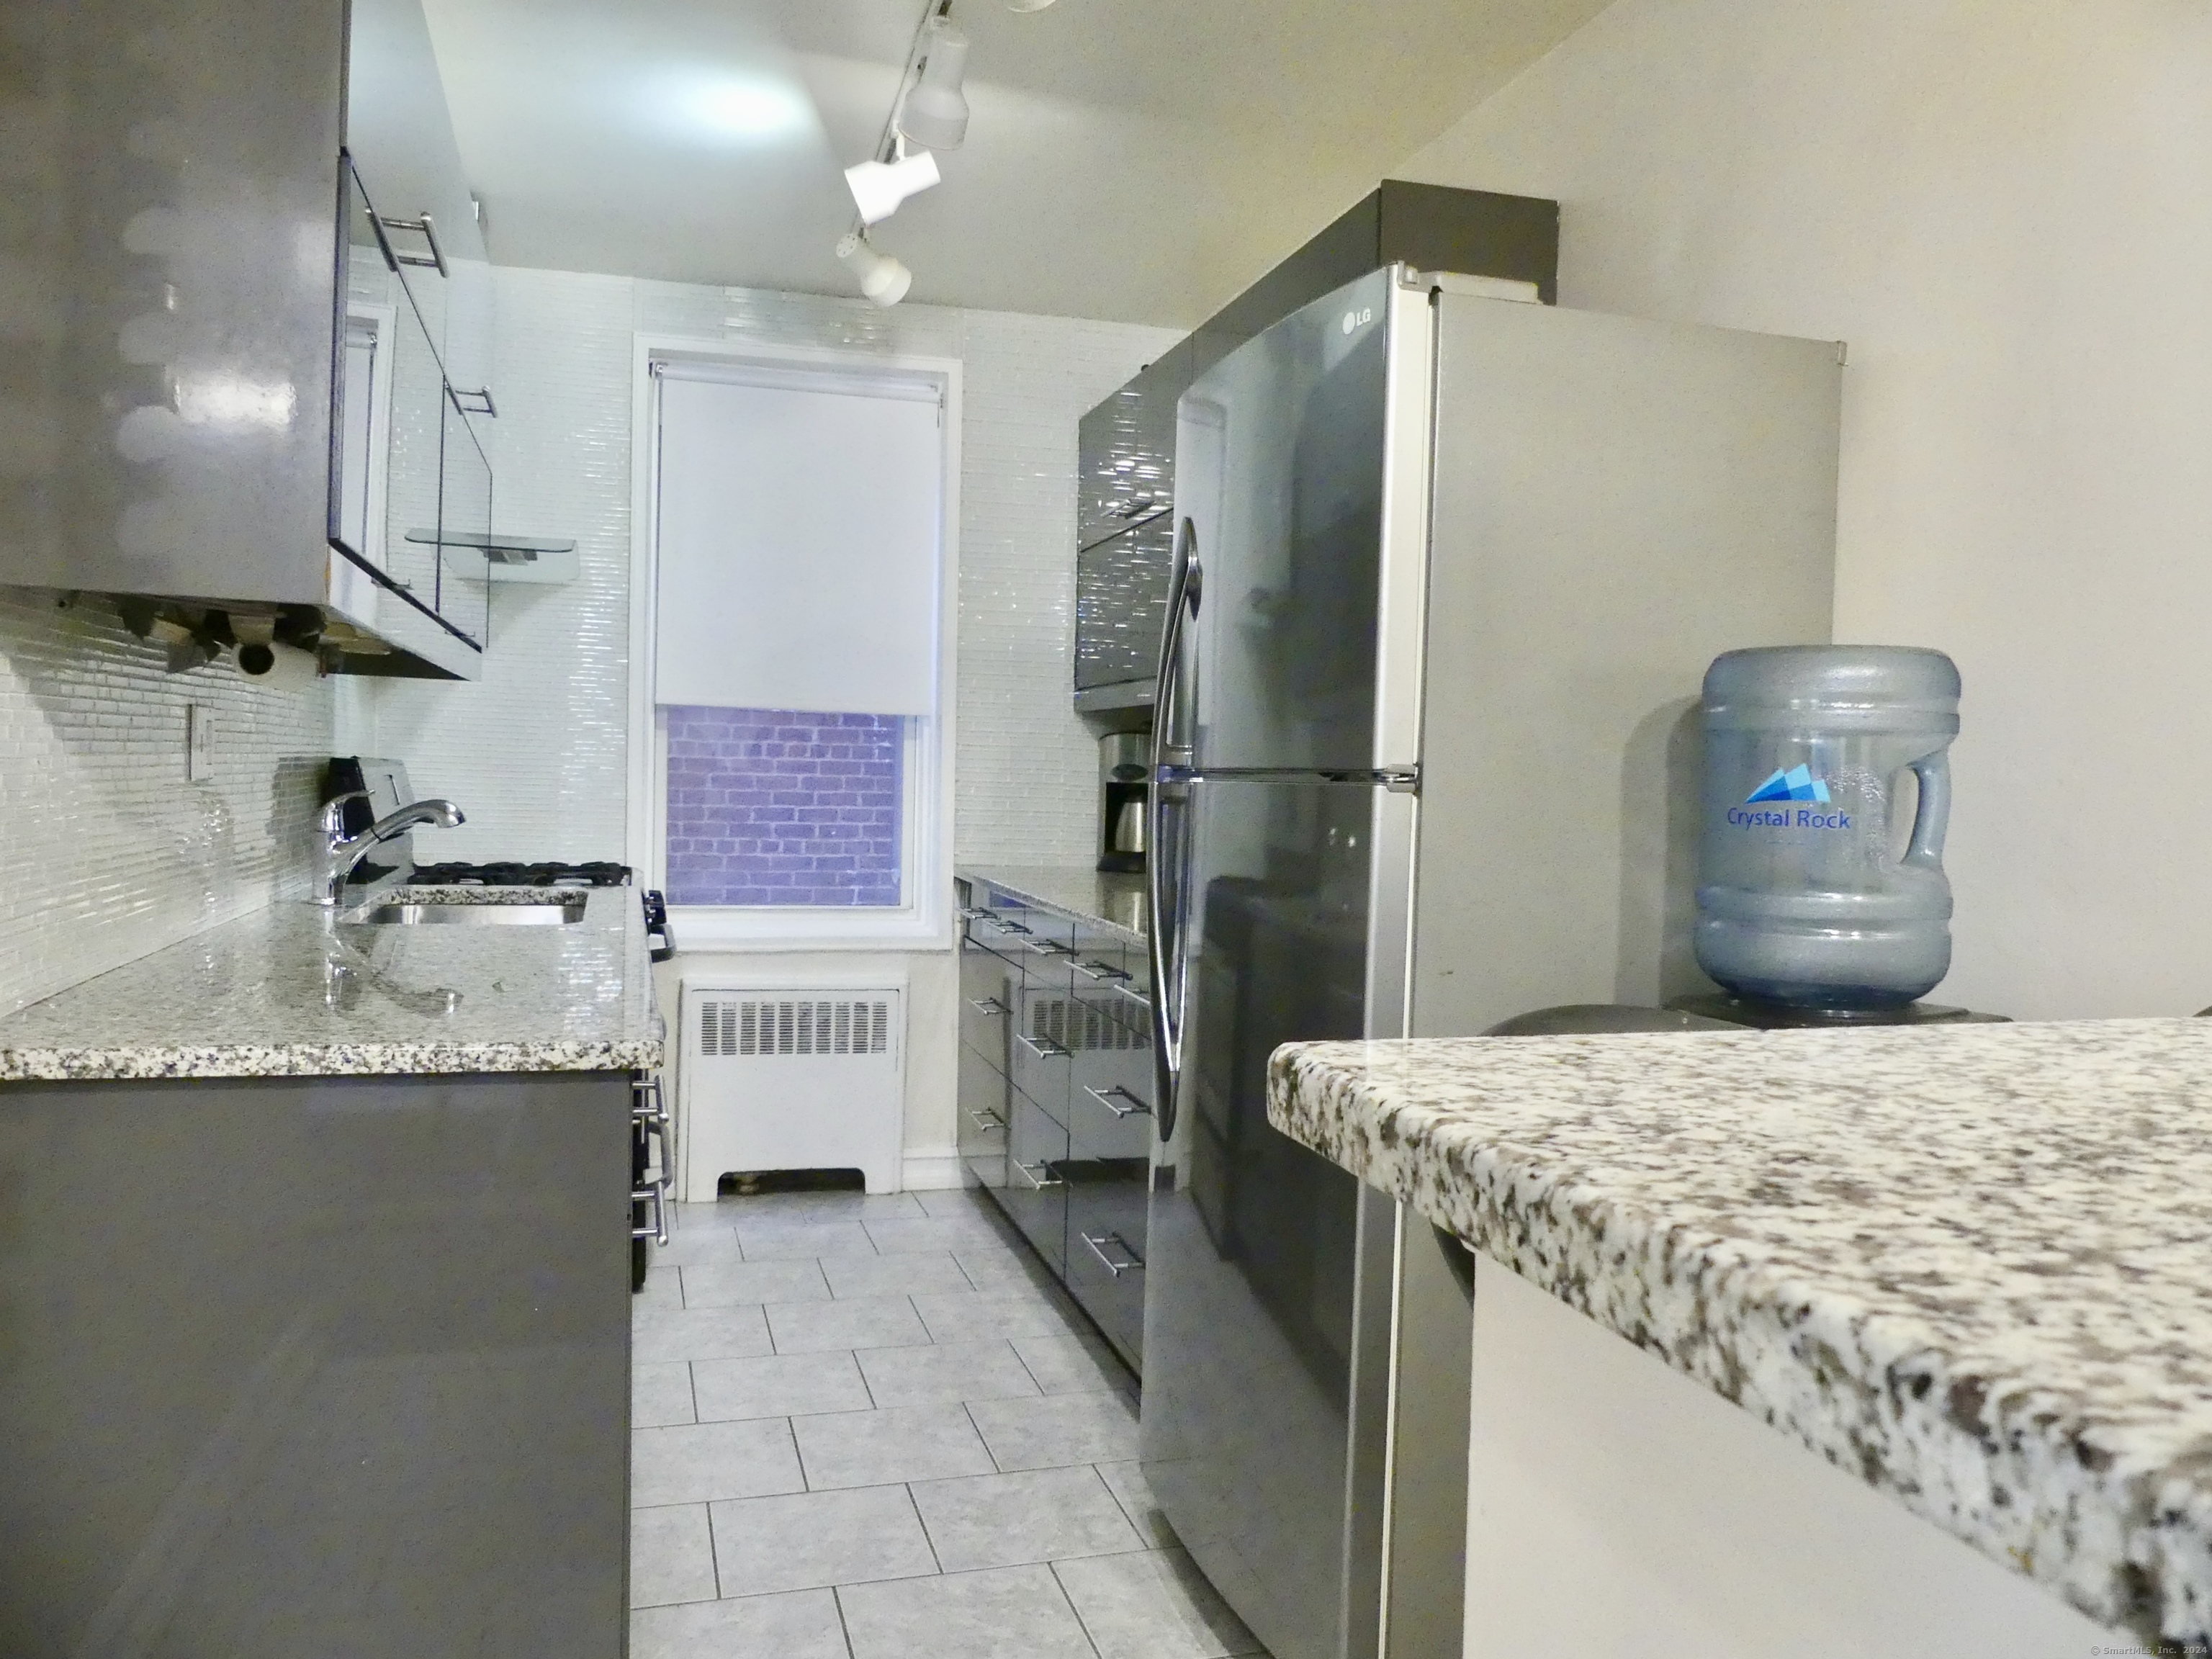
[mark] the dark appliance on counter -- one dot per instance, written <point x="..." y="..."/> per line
<point x="1124" y="767"/>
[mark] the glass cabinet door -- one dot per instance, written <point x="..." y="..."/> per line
<point x="464" y="484"/>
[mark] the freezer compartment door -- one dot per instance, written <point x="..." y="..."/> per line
<point x="1280" y="453"/>
<point x="1263" y="1319"/>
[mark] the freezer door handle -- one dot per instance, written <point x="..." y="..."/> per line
<point x="1165" y="934"/>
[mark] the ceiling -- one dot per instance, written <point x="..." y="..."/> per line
<point x="1136" y="159"/>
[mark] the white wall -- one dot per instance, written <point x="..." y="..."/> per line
<point x="2006" y="210"/>
<point x="535" y="752"/>
<point x="106" y="852"/>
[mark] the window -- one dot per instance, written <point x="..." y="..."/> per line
<point x="795" y="615"/>
<point x="784" y="807"/>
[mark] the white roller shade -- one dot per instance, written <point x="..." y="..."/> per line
<point x="799" y="521"/>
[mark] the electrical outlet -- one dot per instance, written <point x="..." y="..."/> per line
<point x="199" y="742"/>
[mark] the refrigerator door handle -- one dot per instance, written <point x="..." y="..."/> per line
<point x="1170" y="759"/>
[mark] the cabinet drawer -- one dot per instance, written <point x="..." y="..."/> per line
<point x="1036" y="1193"/>
<point x="990" y="988"/>
<point x="1106" y="1244"/>
<point x="1039" y="1054"/>
<point x="983" y="1133"/>
<point x="1110" y="1112"/>
<point x="1112" y="1119"/>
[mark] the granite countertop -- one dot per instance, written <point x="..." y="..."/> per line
<point x="1971" y="1264"/>
<point x="1113" y="901"/>
<point x="295" y="991"/>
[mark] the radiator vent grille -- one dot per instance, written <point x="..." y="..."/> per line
<point x="787" y="1026"/>
<point x="1074" y="1023"/>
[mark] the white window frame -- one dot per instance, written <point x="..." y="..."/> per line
<point x="924" y="920"/>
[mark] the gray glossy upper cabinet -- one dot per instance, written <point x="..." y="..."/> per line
<point x="175" y="319"/>
<point x="1127" y="449"/>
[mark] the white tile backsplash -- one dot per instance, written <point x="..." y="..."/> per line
<point x="109" y="853"/>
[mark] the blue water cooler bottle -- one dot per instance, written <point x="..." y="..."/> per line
<point x="1828" y="790"/>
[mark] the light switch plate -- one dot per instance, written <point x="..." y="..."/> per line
<point x="199" y="742"/>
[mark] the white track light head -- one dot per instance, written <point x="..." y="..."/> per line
<point x="878" y="187"/>
<point x="1027" y="5"/>
<point x="934" y="112"/>
<point x="883" y="278"/>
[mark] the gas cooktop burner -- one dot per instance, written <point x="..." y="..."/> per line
<point x="512" y="873"/>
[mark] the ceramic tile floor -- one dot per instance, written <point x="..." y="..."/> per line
<point x="872" y="1428"/>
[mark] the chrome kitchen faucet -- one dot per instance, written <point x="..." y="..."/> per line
<point x="337" y="854"/>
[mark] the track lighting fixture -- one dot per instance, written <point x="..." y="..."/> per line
<point x="934" y="112"/>
<point x="931" y="112"/>
<point x="878" y="187"/>
<point x="883" y="279"/>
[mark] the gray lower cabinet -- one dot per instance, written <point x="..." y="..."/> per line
<point x="1035" y="1196"/>
<point x="1056" y="1043"/>
<point x="1109" y="1162"/>
<point x="315" y="1365"/>
<point x="983" y="1110"/>
<point x="1105" y="1231"/>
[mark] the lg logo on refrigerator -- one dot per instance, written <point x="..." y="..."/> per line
<point x="1358" y="318"/>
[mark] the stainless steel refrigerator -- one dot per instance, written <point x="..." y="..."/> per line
<point x="1449" y="568"/>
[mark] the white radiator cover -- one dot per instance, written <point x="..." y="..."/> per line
<point x="789" y="1078"/>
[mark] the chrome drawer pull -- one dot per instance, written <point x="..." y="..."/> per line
<point x="1102" y="970"/>
<point x="987" y="1005"/>
<point x="1006" y="927"/>
<point x="974" y="913"/>
<point x="649" y="1111"/>
<point x="1050" y="947"/>
<point x="656" y="1195"/>
<point x="1028" y="1174"/>
<point x="1134" y="1264"/>
<point x="1136" y="1108"/>
<point x="987" y="1120"/>
<point x="1042" y="1047"/>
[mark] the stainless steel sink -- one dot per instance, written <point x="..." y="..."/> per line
<point x="500" y="913"/>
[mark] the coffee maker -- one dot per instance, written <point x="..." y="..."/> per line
<point x="1124" y="758"/>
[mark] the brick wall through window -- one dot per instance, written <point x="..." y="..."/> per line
<point x="776" y="807"/>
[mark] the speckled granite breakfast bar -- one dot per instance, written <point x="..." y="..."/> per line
<point x="1971" y="1264"/>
